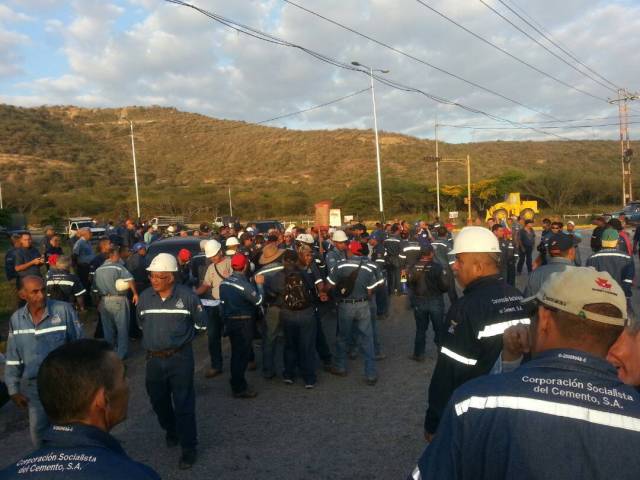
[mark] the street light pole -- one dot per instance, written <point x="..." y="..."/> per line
<point x="375" y="129"/>
<point x="135" y="170"/>
<point x="437" y="168"/>
<point x="469" y="189"/>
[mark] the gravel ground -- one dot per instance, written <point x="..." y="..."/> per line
<point x="342" y="429"/>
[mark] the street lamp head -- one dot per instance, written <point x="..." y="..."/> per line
<point x="385" y="71"/>
<point x="357" y="64"/>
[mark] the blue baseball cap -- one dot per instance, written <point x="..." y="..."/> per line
<point x="138" y="246"/>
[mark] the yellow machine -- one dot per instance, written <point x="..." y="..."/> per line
<point x="512" y="205"/>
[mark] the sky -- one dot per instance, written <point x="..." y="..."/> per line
<point x="101" y="53"/>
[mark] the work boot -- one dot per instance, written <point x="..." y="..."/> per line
<point x="338" y="373"/>
<point x="372" y="381"/>
<point x="417" y="358"/>
<point x="248" y="393"/>
<point x="380" y="356"/>
<point x="212" y="372"/>
<point x="187" y="459"/>
<point x="251" y="366"/>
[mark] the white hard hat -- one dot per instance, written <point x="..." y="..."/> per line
<point x="251" y="229"/>
<point x="171" y="229"/>
<point x="122" y="285"/>
<point x="212" y="248"/>
<point x="475" y="240"/>
<point x="339" y="236"/>
<point x="305" y="238"/>
<point x="163" y="262"/>
<point x="231" y="241"/>
<point x="290" y="228"/>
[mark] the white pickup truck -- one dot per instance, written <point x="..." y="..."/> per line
<point x="76" y="223"/>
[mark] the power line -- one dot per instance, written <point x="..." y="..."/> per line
<point x="577" y="119"/>
<point x="298" y="112"/>
<point x="545" y="47"/>
<point x="238" y="27"/>
<point x="546" y="35"/>
<point x="517" y="59"/>
<point x="417" y="59"/>
<point x="477" y="127"/>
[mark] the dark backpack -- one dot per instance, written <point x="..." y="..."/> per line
<point x="345" y="285"/>
<point x="295" y="295"/>
<point x="56" y="292"/>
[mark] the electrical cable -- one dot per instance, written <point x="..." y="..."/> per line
<point x="417" y="59"/>
<point x="547" y="36"/>
<point x="272" y="39"/>
<point x="478" y="127"/>
<point x="545" y="47"/>
<point x="484" y="40"/>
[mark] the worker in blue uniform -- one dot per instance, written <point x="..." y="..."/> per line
<point x="240" y="300"/>
<point x="34" y="330"/>
<point x="564" y="414"/>
<point x="168" y="314"/>
<point x="84" y="390"/>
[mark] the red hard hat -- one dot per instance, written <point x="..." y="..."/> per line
<point x="184" y="255"/>
<point x="238" y="261"/>
<point x="355" y="247"/>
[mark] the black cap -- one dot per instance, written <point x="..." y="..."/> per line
<point x="426" y="249"/>
<point x="615" y="223"/>
<point x="560" y="241"/>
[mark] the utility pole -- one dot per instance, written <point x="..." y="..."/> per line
<point x="624" y="96"/>
<point x="437" y="167"/>
<point x="230" y="205"/>
<point x="135" y="170"/>
<point x="469" y="220"/>
<point x="1" y="206"/>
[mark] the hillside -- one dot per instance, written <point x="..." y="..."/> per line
<point x="58" y="161"/>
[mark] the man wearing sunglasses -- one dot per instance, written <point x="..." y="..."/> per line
<point x="565" y="413"/>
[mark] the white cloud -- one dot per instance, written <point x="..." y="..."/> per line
<point x="174" y="56"/>
<point x="11" y="41"/>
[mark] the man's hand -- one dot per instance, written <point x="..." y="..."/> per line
<point x="38" y="261"/>
<point x="20" y="400"/>
<point x="259" y="279"/>
<point x="429" y="437"/>
<point x="134" y="299"/>
<point x="515" y="342"/>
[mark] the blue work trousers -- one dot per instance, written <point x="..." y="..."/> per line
<point x="358" y="316"/>
<point x="382" y="299"/>
<point x="38" y="420"/>
<point x="393" y="278"/>
<point x="240" y="332"/>
<point x="425" y="311"/>
<point x="322" y="346"/>
<point x="299" y="343"/>
<point x="214" y="336"/>
<point x="374" y="325"/>
<point x="114" y="314"/>
<point x="169" y="383"/>
<point x="271" y="332"/>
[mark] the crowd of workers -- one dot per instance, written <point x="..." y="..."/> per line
<point x="546" y="350"/>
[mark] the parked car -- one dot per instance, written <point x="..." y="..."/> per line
<point x="225" y="220"/>
<point x="173" y="245"/>
<point x="161" y="222"/>
<point x="76" y="223"/>
<point x="631" y="211"/>
<point x="263" y="226"/>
